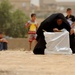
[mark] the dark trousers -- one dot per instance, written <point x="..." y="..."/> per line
<point x="3" y="46"/>
<point x="72" y="43"/>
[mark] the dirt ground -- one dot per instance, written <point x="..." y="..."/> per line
<point x="26" y="63"/>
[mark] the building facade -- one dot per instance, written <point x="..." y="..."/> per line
<point x="23" y="5"/>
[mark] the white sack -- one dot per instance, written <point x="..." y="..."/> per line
<point x="57" y="43"/>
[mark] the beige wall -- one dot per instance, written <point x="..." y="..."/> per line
<point x="21" y="4"/>
<point x="49" y="1"/>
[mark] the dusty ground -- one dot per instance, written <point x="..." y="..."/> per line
<point x="26" y="63"/>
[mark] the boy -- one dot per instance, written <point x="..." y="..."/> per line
<point x="70" y="18"/>
<point x="32" y="25"/>
<point x="3" y="42"/>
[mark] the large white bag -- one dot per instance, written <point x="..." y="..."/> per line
<point x="57" y="43"/>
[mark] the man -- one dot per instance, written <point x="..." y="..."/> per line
<point x="54" y="23"/>
<point x="32" y="25"/>
<point x="3" y="42"/>
<point x="70" y="18"/>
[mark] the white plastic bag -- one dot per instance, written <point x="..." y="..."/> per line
<point x="57" y="43"/>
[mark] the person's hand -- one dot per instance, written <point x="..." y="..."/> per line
<point x="71" y="31"/>
<point x="56" y="30"/>
<point x="1" y="40"/>
<point x="44" y="30"/>
<point x="74" y="23"/>
<point x="27" y="25"/>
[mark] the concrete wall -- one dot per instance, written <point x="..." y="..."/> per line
<point x="19" y="44"/>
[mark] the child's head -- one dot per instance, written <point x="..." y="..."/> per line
<point x="33" y="17"/>
<point x="1" y="35"/>
<point x="69" y="11"/>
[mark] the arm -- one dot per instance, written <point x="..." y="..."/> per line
<point x="72" y="26"/>
<point x="73" y="18"/>
<point x="56" y="30"/>
<point x="27" y="25"/>
<point x="68" y="28"/>
<point x="37" y="26"/>
<point x="3" y="40"/>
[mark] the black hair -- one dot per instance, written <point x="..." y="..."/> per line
<point x="33" y="14"/>
<point x="68" y="9"/>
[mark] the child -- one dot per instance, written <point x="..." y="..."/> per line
<point x="32" y="25"/>
<point x="3" y="42"/>
<point x="70" y="18"/>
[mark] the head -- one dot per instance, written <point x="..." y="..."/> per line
<point x="59" y="21"/>
<point x="69" y="11"/>
<point x="33" y="17"/>
<point x="1" y="35"/>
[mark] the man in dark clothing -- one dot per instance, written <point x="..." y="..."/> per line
<point x="3" y="42"/>
<point x="54" y="23"/>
